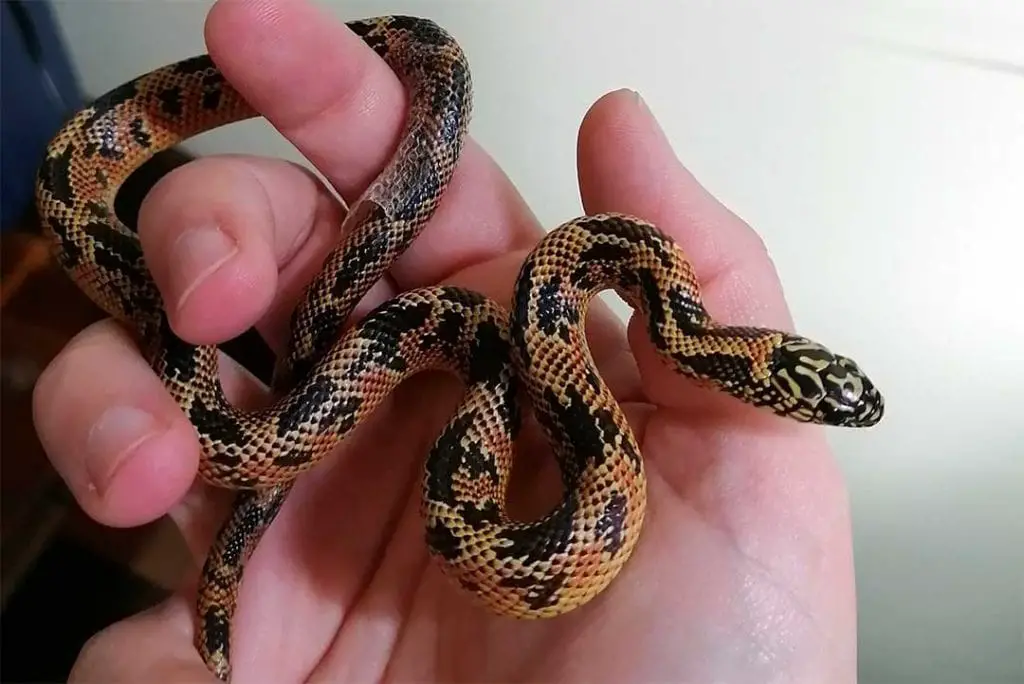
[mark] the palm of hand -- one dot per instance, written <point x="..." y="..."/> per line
<point x="713" y="591"/>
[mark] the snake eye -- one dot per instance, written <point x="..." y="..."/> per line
<point x="821" y="387"/>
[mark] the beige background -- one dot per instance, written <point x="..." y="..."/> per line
<point x="878" y="147"/>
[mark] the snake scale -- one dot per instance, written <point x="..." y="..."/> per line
<point x="333" y="377"/>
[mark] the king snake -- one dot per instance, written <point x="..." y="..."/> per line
<point x="333" y="378"/>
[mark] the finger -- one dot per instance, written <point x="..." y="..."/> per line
<point x="635" y="171"/>
<point x="344" y="108"/>
<point x="231" y="242"/>
<point x="153" y="646"/>
<point x="112" y="431"/>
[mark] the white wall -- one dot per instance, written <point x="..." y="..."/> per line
<point x="879" y="149"/>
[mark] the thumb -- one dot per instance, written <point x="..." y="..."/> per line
<point x="152" y="646"/>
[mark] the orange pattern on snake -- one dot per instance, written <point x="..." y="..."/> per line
<point x="333" y="378"/>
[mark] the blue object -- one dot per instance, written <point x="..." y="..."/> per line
<point x="38" y="92"/>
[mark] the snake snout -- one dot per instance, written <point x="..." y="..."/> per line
<point x="824" y="387"/>
<point x="852" y="400"/>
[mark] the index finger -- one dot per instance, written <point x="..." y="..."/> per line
<point x="343" y="108"/>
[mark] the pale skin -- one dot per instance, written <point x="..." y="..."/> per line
<point x="744" y="572"/>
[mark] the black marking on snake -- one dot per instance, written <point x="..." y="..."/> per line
<point x="399" y="318"/>
<point x="253" y="513"/>
<point x="606" y="251"/>
<point x="450" y="128"/>
<point x="265" y="504"/>
<point x="97" y="210"/>
<point x="744" y="332"/>
<point x="467" y="299"/>
<point x="370" y="30"/>
<point x="300" y="368"/>
<point x="171" y="101"/>
<point x="478" y="464"/>
<point x="616" y="228"/>
<point x="609" y="524"/>
<point x="362" y="28"/>
<point x="109" y="147"/>
<point x="244" y="481"/>
<point x="319" y="391"/>
<point x="362" y="256"/>
<point x="728" y="369"/>
<point x="212" y="90"/>
<point x="137" y="128"/>
<point x="587" y="429"/>
<point x="55" y="175"/>
<point x="141" y="294"/>
<point x="384" y="329"/>
<point x="585" y="276"/>
<point x="449" y="107"/>
<point x="452" y="451"/>
<point x="490" y="363"/>
<point x="686" y="311"/>
<point x="650" y="295"/>
<point x="544" y="539"/>
<point x="217" y="628"/>
<point x="104" y="104"/>
<point x="539" y="593"/>
<point x="211" y="99"/>
<point x="520" y="314"/>
<point x="591" y="275"/>
<point x="194" y="65"/>
<point x="629" y="448"/>
<point x="396" y="362"/>
<point x="220" y="428"/>
<point x="808" y="386"/>
<point x="248" y="518"/>
<point x="603" y="262"/>
<point x="423" y="30"/>
<point x="71" y="254"/>
<point x="489" y="355"/>
<point x="442" y="540"/>
<point x="487" y="514"/>
<point x="341" y="418"/>
<point x="114" y="249"/>
<point x="102" y="125"/>
<point x="222" y="576"/>
<point x="447" y="333"/>
<point x="554" y="314"/>
<point x="445" y="458"/>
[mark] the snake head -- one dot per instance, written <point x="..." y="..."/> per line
<point x="818" y="386"/>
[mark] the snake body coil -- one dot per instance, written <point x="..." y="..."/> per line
<point x="331" y="380"/>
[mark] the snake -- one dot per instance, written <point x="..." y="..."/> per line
<point x="334" y="374"/>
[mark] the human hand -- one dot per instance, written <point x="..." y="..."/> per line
<point x="743" y="572"/>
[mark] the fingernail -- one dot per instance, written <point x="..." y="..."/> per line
<point x="652" y="120"/>
<point x="112" y="441"/>
<point x="196" y="254"/>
